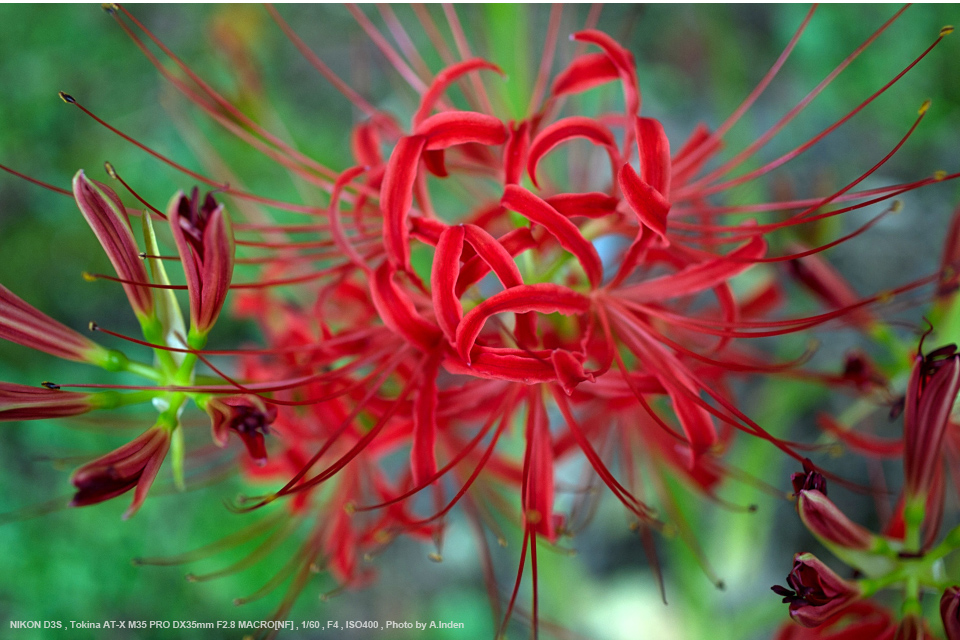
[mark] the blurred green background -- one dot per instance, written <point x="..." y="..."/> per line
<point x="695" y="64"/>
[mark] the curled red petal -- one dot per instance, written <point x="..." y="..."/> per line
<point x="567" y="234"/>
<point x="500" y="261"/>
<point x="696" y="421"/>
<point x="494" y="254"/>
<point x="333" y="214"/>
<point x="365" y="143"/>
<point x="397" y="311"/>
<point x="584" y="205"/>
<point x="543" y="298"/>
<point x="423" y="451"/>
<point x="649" y="205"/>
<point x="622" y="59"/>
<point x="585" y="72"/>
<point x="654" y="155"/>
<point x="515" y="152"/>
<point x="569" y="370"/>
<point x="461" y="127"/>
<point x="513" y="243"/>
<point x="396" y="198"/>
<point x="443" y="280"/>
<point x="435" y="163"/>
<point x="442" y="82"/>
<point x="515" y="365"/>
<point x="567" y="129"/>
<point x="427" y="230"/>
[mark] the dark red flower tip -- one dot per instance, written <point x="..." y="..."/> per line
<point x="248" y="417"/>
<point x="204" y="239"/>
<point x="134" y="465"/>
<point x="808" y="479"/>
<point x="815" y="593"/>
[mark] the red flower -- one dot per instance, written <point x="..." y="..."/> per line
<point x="815" y="593"/>
<point x="248" y="417"/>
<point x="204" y="241"/>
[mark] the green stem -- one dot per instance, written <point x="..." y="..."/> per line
<point x="143" y="370"/>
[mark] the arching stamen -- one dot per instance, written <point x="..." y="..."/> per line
<point x="112" y="172"/>
<point x="734" y="117"/>
<point x="546" y="59"/>
<point x="325" y="71"/>
<point x="223" y="103"/>
<point x="460" y="39"/>
<point x="39" y="183"/>
<point x="505" y="409"/>
<point x="391" y="55"/>
<point x="403" y="40"/>
<point x="279" y="204"/>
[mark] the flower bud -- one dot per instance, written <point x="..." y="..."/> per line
<point x="912" y="627"/>
<point x="134" y="465"/>
<point x="106" y="215"/>
<point x="830" y="525"/>
<point x="24" y="325"/>
<point x="20" y="402"/>
<point x="809" y="478"/>
<point x="950" y="612"/>
<point x="204" y="240"/>
<point x="931" y="392"/>
<point x="248" y="417"/>
<point x="815" y="592"/>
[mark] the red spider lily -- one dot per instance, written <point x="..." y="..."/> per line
<point x="816" y="594"/>
<point x="205" y="243"/>
<point x="132" y="466"/>
<point x="522" y="311"/>
<point x="19" y="402"/>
